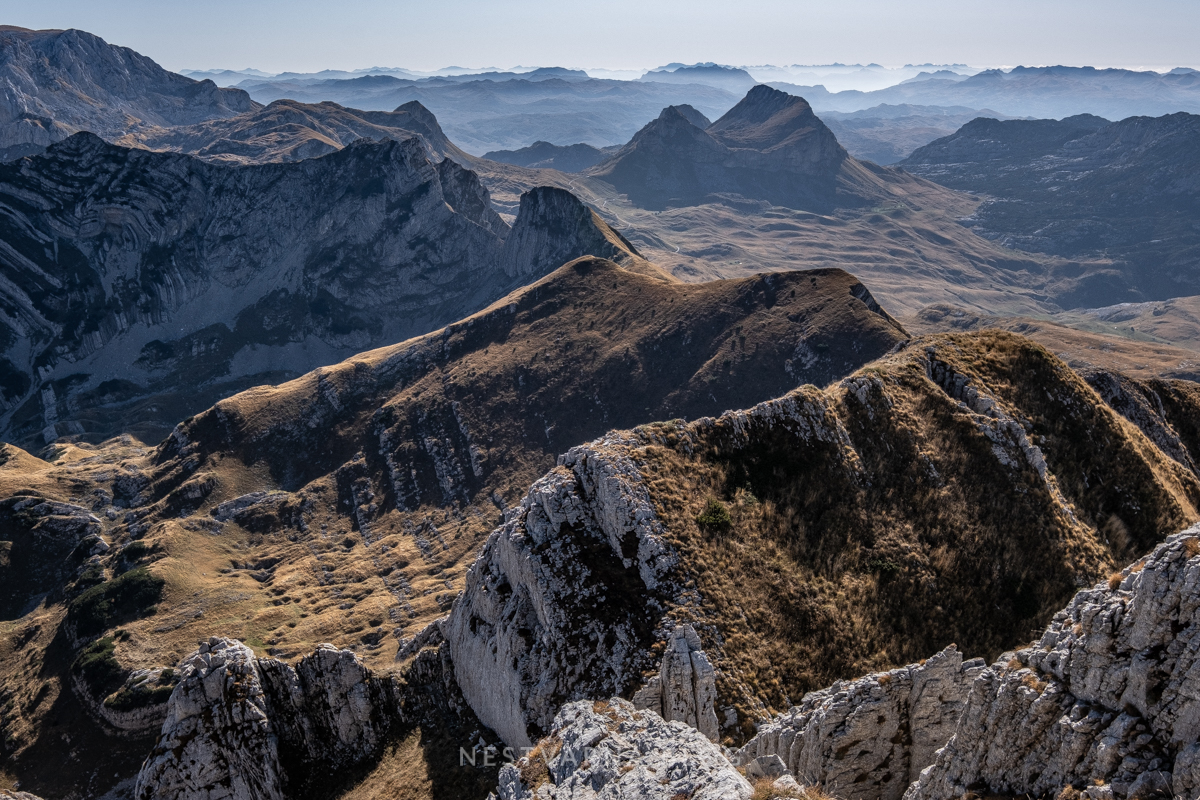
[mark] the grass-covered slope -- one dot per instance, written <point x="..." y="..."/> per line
<point x="960" y="490"/>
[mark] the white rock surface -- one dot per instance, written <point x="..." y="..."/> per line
<point x="235" y="722"/>
<point x="217" y="741"/>
<point x="685" y="690"/>
<point x="868" y="739"/>
<point x="560" y="603"/>
<point x="1108" y="698"/>
<point x="607" y="751"/>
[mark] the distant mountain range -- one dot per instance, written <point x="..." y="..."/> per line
<point x="287" y="130"/>
<point x="1030" y="92"/>
<point x="1126" y="192"/>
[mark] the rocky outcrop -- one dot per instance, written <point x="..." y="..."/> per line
<point x="868" y="739"/>
<point x="242" y="727"/>
<point x="1142" y="404"/>
<point x="553" y="226"/>
<point x="217" y="741"/>
<point x="562" y="602"/>
<point x="188" y="281"/>
<point x="610" y="749"/>
<point x="54" y="83"/>
<point x="685" y="689"/>
<point x="1105" y="702"/>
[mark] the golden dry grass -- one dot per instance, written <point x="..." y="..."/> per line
<point x="824" y="575"/>
<point x="591" y="347"/>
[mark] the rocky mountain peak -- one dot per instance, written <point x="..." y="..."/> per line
<point x="58" y="82"/>
<point x="554" y="226"/>
<point x="688" y="113"/>
<point x="767" y="119"/>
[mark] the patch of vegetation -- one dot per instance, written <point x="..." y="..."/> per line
<point x="715" y="517"/>
<point x="97" y="665"/>
<point x="144" y="694"/>
<point x="129" y="596"/>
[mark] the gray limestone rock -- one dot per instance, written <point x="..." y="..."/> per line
<point x="610" y="750"/>
<point x="685" y="690"/>
<point x="258" y="729"/>
<point x="1108" y="697"/>
<point x="561" y="602"/>
<point x="868" y="739"/>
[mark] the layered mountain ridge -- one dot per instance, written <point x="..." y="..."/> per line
<point x="57" y="83"/>
<point x="135" y="275"/>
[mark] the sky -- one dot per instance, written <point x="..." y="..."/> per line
<point x="306" y="35"/>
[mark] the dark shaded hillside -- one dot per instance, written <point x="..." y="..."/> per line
<point x="141" y="287"/>
<point x="543" y="155"/>
<point x="1125" y="191"/>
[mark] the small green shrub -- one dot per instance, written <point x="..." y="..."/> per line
<point x="715" y="516"/>
<point x="128" y="596"/>
<point x="136" y="551"/>
<point x="98" y="667"/>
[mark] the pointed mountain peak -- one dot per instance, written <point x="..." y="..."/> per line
<point x="766" y="118"/>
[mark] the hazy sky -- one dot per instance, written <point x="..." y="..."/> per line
<point x="305" y="35"/>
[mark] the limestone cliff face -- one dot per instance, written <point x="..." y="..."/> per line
<point x="610" y="749"/>
<point x="258" y="729"/>
<point x="130" y="275"/>
<point x="685" y="688"/>
<point x="553" y="227"/>
<point x="54" y="83"/>
<point x="1107" y="701"/>
<point x="561" y="603"/>
<point x="868" y="739"/>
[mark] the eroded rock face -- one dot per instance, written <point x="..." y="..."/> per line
<point x="217" y="741"/>
<point x="868" y="739"/>
<point x="612" y="750"/>
<point x="562" y="601"/>
<point x="242" y="727"/>
<point x="1108" y="698"/>
<point x="685" y="689"/>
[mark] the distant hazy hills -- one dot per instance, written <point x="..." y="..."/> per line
<point x="55" y="83"/>
<point x="1031" y="92"/>
<point x="1125" y="191"/>
<point x="152" y="284"/>
<point x="287" y="130"/>
<point x="489" y="114"/>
